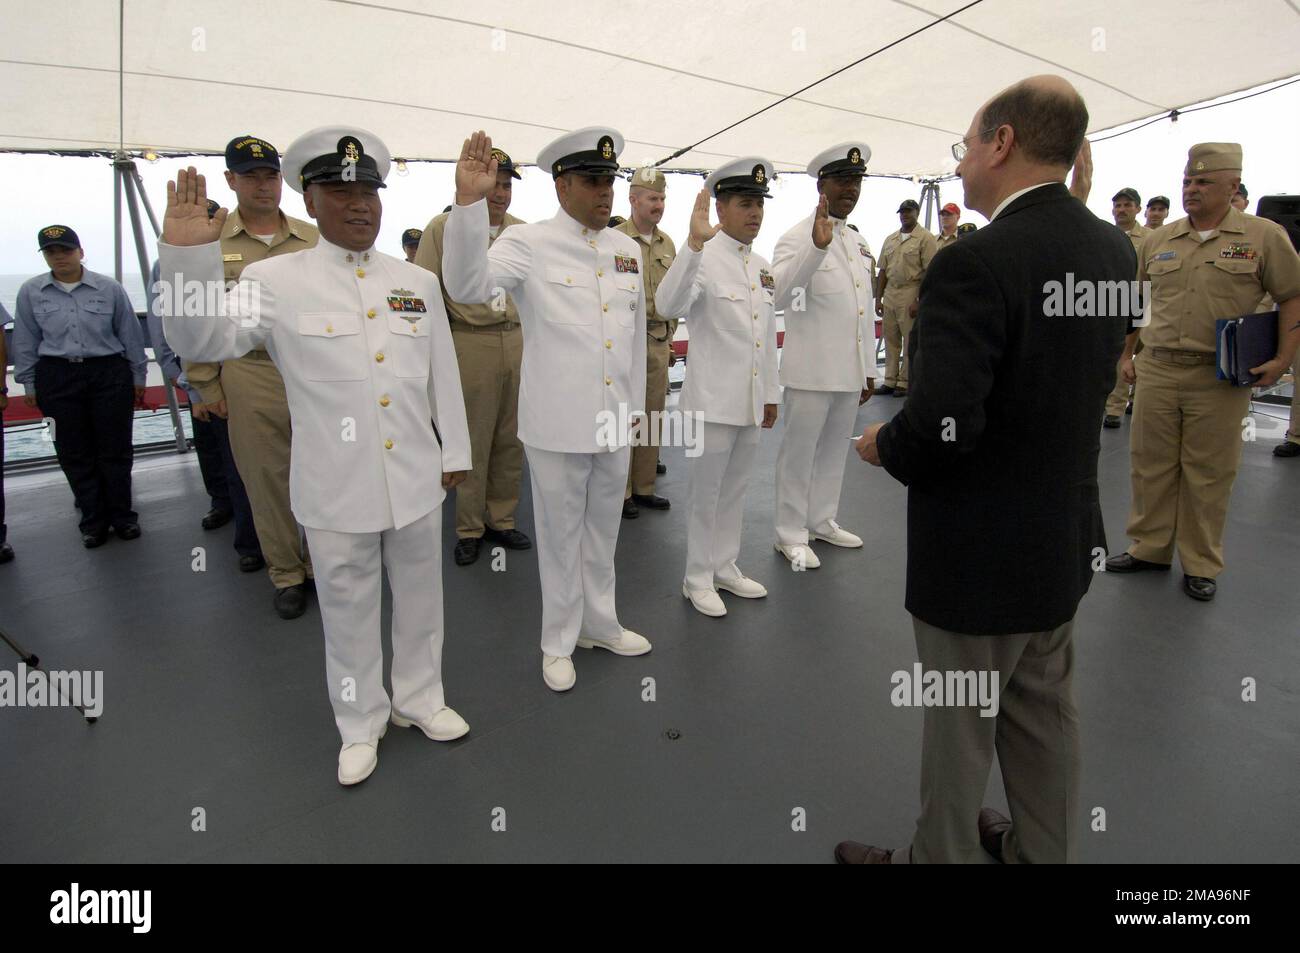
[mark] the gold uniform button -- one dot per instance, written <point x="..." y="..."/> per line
<point x="379" y="358"/>
<point x="604" y="307"/>
<point x="608" y="382"/>
<point x="755" y="315"/>
<point x="361" y="272"/>
<point x="384" y="401"/>
<point x="857" y="284"/>
<point x="861" y="312"/>
<point x="756" y="372"/>
<point x="568" y="281"/>
<point x="388" y="445"/>
<point x="600" y="273"/>
<point x="608" y="344"/>
<point x="329" y="329"/>
<point x="370" y="313"/>
<point x="752" y="287"/>
<point x="757" y="344"/>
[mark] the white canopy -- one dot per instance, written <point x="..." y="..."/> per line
<point x="666" y="73"/>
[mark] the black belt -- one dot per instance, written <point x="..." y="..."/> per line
<point x="662" y="340"/>
<point x="83" y="360"/>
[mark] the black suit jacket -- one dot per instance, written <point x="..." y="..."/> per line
<point x="998" y="440"/>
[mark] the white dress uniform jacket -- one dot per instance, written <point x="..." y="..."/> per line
<point x="728" y="295"/>
<point x="830" y="345"/>
<point x="364" y="369"/>
<point x="581" y="302"/>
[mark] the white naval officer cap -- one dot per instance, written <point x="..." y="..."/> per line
<point x="847" y="158"/>
<point x="325" y="153"/>
<point x="747" y="176"/>
<point x="592" y="150"/>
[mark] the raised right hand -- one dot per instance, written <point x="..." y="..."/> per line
<point x="186" y="220"/>
<point x="476" y="170"/>
<point x="701" y="230"/>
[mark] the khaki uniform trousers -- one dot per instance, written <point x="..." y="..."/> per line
<point x="1035" y="735"/>
<point x="260" y="438"/>
<point x="1118" y="400"/>
<point x="1185" y="448"/>
<point x="489" y="360"/>
<point x="641" y="474"/>
<point x="895" y="327"/>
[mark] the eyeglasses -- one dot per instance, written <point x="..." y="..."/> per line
<point x="959" y="149"/>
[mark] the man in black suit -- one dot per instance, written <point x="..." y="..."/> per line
<point x="997" y="445"/>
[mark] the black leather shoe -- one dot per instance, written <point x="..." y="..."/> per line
<point x="630" y="510"/>
<point x="1287" y="449"/>
<point x="251" y="563"/>
<point x="466" y="551"/>
<point x="94" y="540"/>
<point x="1111" y="422"/>
<point x="651" y="502"/>
<point x="881" y="392"/>
<point x="291" y="601"/>
<point x="899" y="392"/>
<point x="851" y="852"/>
<point x="1199" y="587"/>
<point x="992" y="826"/>
<point x="660" y="469"/>
<point x="215" y="519"/>
<point x="1126" y="563"/>
<point x="509" y="538"/>
<point x="127" y="531"/>
<point x="6" y="553"/>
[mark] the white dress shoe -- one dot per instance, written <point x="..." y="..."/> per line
<point x="798" y="554"/>
<point x="628" y="643"/>
<point x="705" y="600"/>
<point x="558" y="673"/>
<point x="838" y="536"/>
<point x="358" y="761"/>
<point x="445" y="725"/>
<point x="744" y="587"/>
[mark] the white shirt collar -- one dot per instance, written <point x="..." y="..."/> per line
<point x="1015" y="195"/>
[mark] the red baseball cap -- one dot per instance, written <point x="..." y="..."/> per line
<point x="950" y="207"/>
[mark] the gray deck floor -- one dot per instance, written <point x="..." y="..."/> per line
<point x="213" y="702"/>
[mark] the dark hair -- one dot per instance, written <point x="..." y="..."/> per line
<point x="1049" y="125"/>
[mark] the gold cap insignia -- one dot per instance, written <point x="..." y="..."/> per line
<point x="855" y="156"/>
<point x="606" y="147"/>
<point x="54" y="231"/>
<point x="760" y="174"/>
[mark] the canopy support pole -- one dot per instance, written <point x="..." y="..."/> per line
<point x="129" y="178"/>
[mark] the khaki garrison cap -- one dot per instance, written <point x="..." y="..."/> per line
<point x="1213" y="157"/>
<point x="648" y="177"/>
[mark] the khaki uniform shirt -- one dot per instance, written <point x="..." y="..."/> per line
<point x="1195" y="281"/>
<point x="238" y="250"/>
<point x="490" y="314"/>
<point x="1137" y="234"/>
<point x="903" y="263"/>
<point x="943" y="241"/>
<point x="658" y="257"/>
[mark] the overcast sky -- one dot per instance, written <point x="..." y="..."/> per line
<point x="42" y="190"/>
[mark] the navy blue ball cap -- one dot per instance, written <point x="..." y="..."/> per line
<point x="246" y="153"/>
<point x="57" y="235"/>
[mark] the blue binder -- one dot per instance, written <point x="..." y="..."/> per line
<point x="1242" y="343"/>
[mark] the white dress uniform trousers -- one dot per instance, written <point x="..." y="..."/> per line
<point x="727" y="294"/>
<point x="581" y="305"/>
<point x="362" y="341"/>
<point x="827" y="357"/>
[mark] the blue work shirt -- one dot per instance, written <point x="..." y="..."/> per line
<point x="162" y="352"/>
<point x="94" y="319"/>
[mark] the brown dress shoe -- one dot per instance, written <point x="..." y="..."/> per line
<point x="992" y="826"/>
<point x="851" y="852"/>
